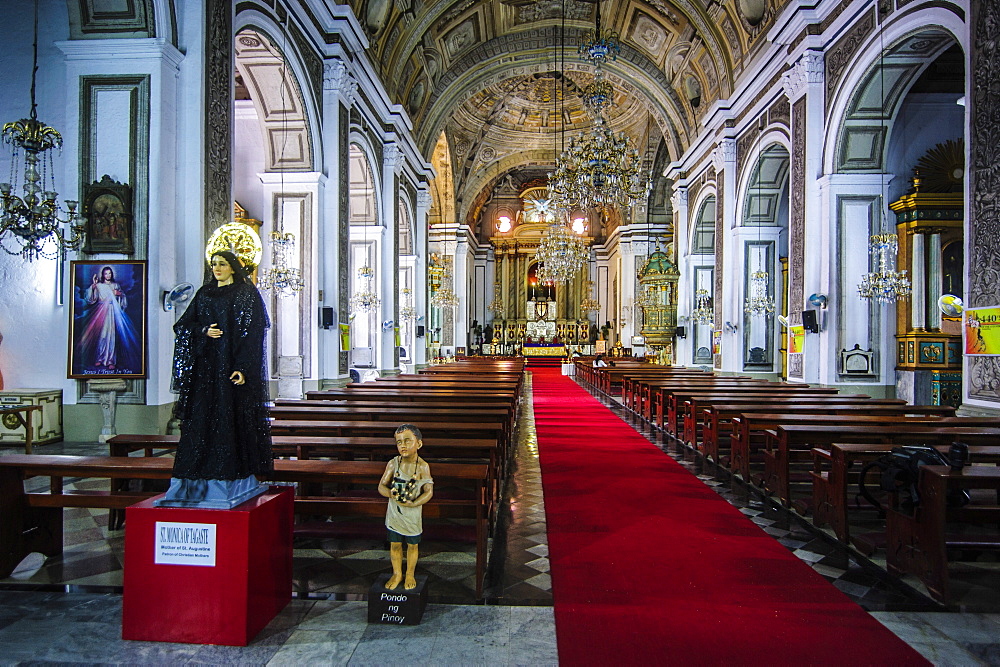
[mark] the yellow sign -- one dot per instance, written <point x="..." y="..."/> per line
<point x="796" y="339"/>
<point x="716" y="342"/>
<point x="982" y="331"/>
<point x="345" y="337"/>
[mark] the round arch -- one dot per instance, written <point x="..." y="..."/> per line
<point x="271" y="68"/>
<point x="856" y="132"/>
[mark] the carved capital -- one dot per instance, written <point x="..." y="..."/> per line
<point x="724" y="154"/>
<point x="392" y="158"/>
<point x="679" y="198"/>
<point x="807" y="70"/>
<point x="337" y="79"/>
<point x="424" y="200"/>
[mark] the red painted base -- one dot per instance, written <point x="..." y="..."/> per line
<point x="226" y="603"/>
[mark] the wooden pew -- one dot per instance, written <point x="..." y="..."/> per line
<point x="388" y="395"/>
<point x="32" y="522"/>
<point x="464" y="450"/>
<point x="831" y="478"/>
<point x="793" y="443"/>
<point x="918" y="542"/>
<point x="680" y="402"/>
<point x="636" y="386"/>
<point x="717" y="420"/>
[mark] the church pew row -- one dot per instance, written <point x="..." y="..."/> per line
<point x="833" y="474"/>
<point x="791" y="444"/>
<point x="463" y="450"/>
<point x="919" y="542"/>
<point x="33" y="521"/>
<point x="719" y="425"/>
<point x="679" y="404"/>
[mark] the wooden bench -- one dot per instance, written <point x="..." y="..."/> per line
<point x="680" y="402"/>
<point x="32" y="521"/>
<point x="25" y="420"/>
<point x="371" y="448"/>
<point x="831" y="479"/>
<point x="917" y="542"/>
<point x="793" y="443"/>
<point x="717" y="420"/>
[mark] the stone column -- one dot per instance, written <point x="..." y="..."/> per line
<point x="108" y="391"/>
<point x="424" y="202"/>
<point x="727" y="305"/>
<point x="803" y="84"/>
<point x="339" y="92"/>
<point x="918" y="313"/>
<point x="933" y="283"/>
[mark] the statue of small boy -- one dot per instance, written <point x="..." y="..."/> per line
<point x="408" y="485"/>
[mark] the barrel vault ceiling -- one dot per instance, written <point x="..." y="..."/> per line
<point x="501" y="80"/>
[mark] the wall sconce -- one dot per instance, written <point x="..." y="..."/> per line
<point x="729" y="327"/>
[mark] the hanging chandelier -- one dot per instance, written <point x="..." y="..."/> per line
<point x="561" y="254"/>
<point x="703" y="312"/>
<point x="406" y="311"/>
<point x="885" y="284"/>
<point x="590" y="304"/>
<point x="281" y="278"/>
<point x="759" y="303"/>
<point x="367" y="299"/>
<point x="496" y="305"/>
<point x="599" y="169"/>
<point x="444" y="296"/>
<point x="31" y="225"/>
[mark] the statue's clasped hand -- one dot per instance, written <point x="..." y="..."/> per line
<point x="213" y="330"/>
<point x="237" y="378"/>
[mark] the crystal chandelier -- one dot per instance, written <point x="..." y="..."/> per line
<point x="284" y="280"/>
<point x="703" y="312"/>
<point x="599" y="169"/>
<point x="31" y="226"/>
<point x="406" y="310"/>
<point x="496" y="305"/>
<point x="561" y="254"/>
<point x="885" y="284"/>
<point x="444" y="296"/>
<point x="367" y="299"/>
<point x="590" y="304"/>
<point x="759" y="303"/>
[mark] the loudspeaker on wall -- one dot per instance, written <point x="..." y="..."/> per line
<point x="809" y="321"/>
<point x="326" y="316"/>
<point x="680" y="332"/>
<point x="420" y="331"/>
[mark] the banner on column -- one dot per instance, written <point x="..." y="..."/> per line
<point x="982" y="331"/>
<point x="796" y="339"/>
<point x="345" y="337"/>
<point x="716" y="342"/>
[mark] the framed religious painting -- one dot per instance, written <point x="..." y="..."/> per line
<point x="107" y="320"/>
<point x="107" y="208"/>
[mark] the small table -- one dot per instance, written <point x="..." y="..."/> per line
<point x="12" y="418"/>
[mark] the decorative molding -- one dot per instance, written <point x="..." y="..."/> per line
<point x="96" y="19"/>
<point x="807" y="70"/>
<point x="797" y="214"/>
<point x="795" y="366"/>
<point x="343" y="230"/>
<point x="984" y="183"/>
<point x="841" y="53"/>
<point x="218" y="111"/>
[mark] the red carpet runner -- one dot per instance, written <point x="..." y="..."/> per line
<point x="649" y="564"/>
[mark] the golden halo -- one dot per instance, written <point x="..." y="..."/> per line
<point x="239" y="239"/>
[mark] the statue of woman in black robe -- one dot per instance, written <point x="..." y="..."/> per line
<point x="220" y="377"/>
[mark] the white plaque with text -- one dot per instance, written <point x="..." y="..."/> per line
<point x="184" y="543"/>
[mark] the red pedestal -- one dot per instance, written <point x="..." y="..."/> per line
<point x="227" y="602"/>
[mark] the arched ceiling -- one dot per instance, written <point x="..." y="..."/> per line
<point x="501" y="79"/>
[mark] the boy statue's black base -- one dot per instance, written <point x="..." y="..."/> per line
<point x="398" y="606"/>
